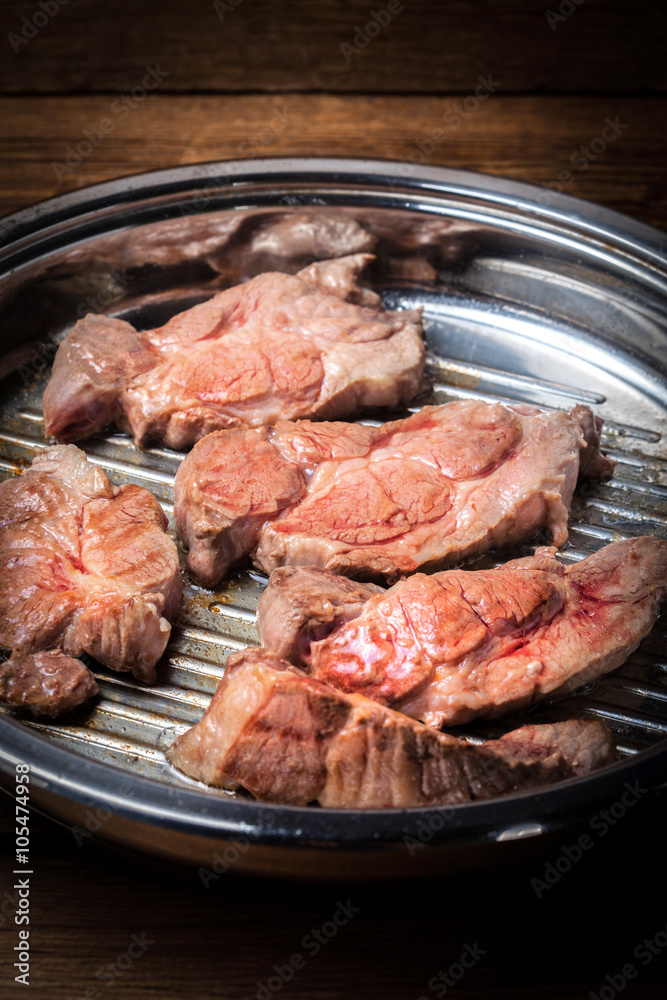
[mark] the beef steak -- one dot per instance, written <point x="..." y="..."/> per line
<point x="302" y="604"/>
<point x="279" y="346"/>
<point x="84" y="567"/>
<point x="47" y="683"/>
<point x="288" y="738"/>
<point x="455" y="645"/>
<point x="448" y="482"/>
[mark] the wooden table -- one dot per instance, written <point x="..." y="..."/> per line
<point x="88" y="907"/>
<point x="524" y="137"/>
<point x="241" y="80"/>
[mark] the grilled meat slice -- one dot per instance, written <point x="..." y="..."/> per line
<point x="47" y="683"/>
<point x="85" y="566"/>
<point x="302" y="604"/>
<point x="455" y="645"/>
<point x="279" y="346"/>
<point x="234" y="492"/>
<point x="288" y="738"/>
<point x="91" y="369"/>
<point x="448" y="482"/>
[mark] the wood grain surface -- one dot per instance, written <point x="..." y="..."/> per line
<point x="427" y="46"/>
<point x="527" y="138"/>
<point x="89" y="907"/>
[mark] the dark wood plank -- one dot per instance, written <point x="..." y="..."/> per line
<point x="527" y="138"/>
<point x="426" y="46"/>
<point x="227" y="940"/>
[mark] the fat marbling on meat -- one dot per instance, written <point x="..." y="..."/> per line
<point x="278" y="346"/>
<point x="289" y="738"/>
<point x="451" y="646"/>
<point x="447" y="482"/>
<point x="85" y="567"/>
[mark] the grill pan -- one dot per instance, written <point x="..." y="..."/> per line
<point x="528" y="296"/>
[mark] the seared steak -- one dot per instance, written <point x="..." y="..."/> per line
<point x="84" y="566"/>
<point x="448" y="482"/>
<point x="288" y="738"/>
<point x="448" y="647"/>
<point x="302" y="604"/>
<point x="279" y="346"/>
<point x="48" y="683"/>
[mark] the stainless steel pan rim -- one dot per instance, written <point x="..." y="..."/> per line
<point x="523" y="814"/>
<point x="544" y="204"/>
<point x="637" y="252"/>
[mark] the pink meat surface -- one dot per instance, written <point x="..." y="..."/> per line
<point x="302" y="604"/>
<point x="448" y="482"/>
<point x="455" y="645"/>
<point x="85" y="566"/>
<point x="288" y="738"/>
<point x="279" y="346"/>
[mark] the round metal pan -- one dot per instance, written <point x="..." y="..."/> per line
<point x="528" y="295"/>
